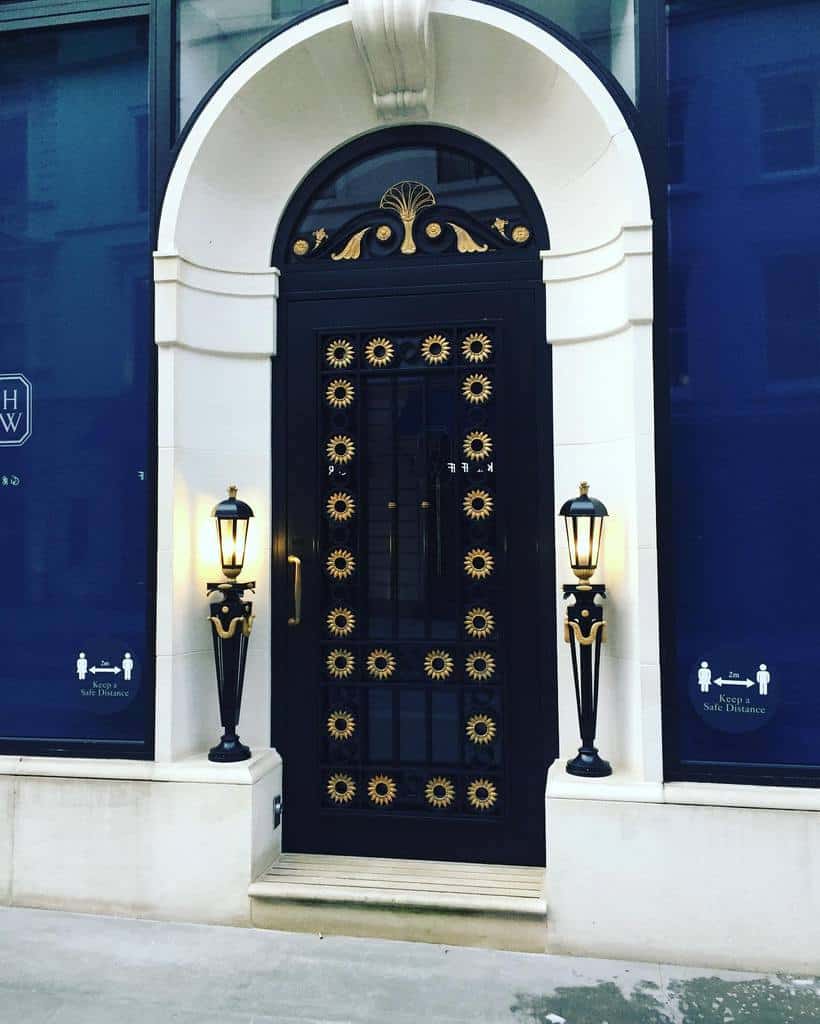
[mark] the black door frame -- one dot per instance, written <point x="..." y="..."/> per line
<point x="392" y="277"/>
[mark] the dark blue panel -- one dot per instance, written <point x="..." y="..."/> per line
<point x="76" y="386"/>
<point x="745" y="387"/>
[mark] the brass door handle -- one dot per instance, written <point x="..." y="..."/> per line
<point x="296" y="562"/>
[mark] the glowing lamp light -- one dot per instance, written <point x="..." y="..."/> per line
<point x="584" y="521"/>
<point x="232" y="517"/>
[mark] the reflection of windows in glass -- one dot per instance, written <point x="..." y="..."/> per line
<point x="787" y="122"/>
<point x="678" y="339"/>
<point x="141" y="140"/>
<point x="13" y="158"/>
<point x="212" y="34"/>
<point x="791" y="285"/>
<point x="676" y="133"/>
<point x="455" y="167"/>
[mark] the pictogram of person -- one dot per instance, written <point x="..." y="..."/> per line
<point x="82" y="666"/>
<point x="127" y="666"/>
<point x="704" y="677"/>
<point x="763" y="678"/>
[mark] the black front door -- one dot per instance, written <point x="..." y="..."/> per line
<point x="414" y="706"/>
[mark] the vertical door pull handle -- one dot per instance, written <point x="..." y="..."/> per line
<point x="296" y="562"/>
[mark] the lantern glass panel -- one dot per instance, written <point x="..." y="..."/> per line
<point x="233" y="535"/>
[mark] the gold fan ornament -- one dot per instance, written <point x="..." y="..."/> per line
<point x="340" y="564"/>
<point x="380" y="663"/>
<point x="479" y="665"/>
<point x="479" y="623"/>
<point x="339" y="354"/>
<point x="438" y="664"/>
<point x="480" y="729"/>
<point x="477" y="388"/>
<point x="340" y="663"/>
<point x="407" y="199"/>
<point x="481" y="794"/>
<point x="478" y="563"/>
<point x="478" y="504"/>
<point x="340" y="393"/>
<point x="382" y="790"/>
<point x="341" y="622"/>
<point x="440" y="791"/>
<point x="341" y="788"/>
<point x="477" y="347"/>
<point x="477" y="445"/>
<point x="340" y="506"/>
<point x="341" y="725"/>
<point x="340" y="449"/>
<point x="379" y="351"/>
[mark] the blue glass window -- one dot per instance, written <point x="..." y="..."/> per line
<point x="744" y="358"/>
<point x="76" y="391"/>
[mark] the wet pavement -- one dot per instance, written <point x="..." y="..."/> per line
<point x="60" y="968"/>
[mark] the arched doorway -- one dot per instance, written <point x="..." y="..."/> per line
<point x="414" y="693"/>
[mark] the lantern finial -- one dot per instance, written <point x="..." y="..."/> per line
<point x="232" y="489"/>
<point x="583" y="488"/>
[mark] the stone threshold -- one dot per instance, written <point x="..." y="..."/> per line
<point x="494" y="906"/>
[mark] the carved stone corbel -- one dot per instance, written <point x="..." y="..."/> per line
<point x="395" y="40"/>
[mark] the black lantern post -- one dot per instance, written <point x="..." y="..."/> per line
<point x="584" y="625"/>
<point x="231" y="623"/>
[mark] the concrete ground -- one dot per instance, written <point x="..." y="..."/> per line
<point x="73" y="969"/>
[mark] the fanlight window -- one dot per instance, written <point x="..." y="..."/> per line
<point x="410" y="201"/>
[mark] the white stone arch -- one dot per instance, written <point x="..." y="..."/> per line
<point x="284" y="109"/>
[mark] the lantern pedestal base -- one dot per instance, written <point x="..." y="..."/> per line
<point x="229" y="749"/>
<point x="589" y="764"/>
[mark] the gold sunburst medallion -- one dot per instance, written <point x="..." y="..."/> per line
<point x="340" y="506"/>
<point x="478" y="563"/>
<point x="479" y="622"/>
<point x="341" y="622"/>
<point x="435" y="349"/>
<point x="480" y="729"/>
<point x="477" y="445"/>
<point x="379" y="352"/>
<point x="477" y="388"/>
<point x="340" y="564"/>
<point x="479" y="665"/>
<point x="341" y="725"/>
<point x="339" y="354"/>
<point x="340" y="393"/>
<point x="340" y="663"/>
<point x="481" y="794"/>
<point x="384" y="232"/>
<point x="341" y="788"/>
<point x="438" y="664"/>
<point x="520" y="234"/>
<point x="478" y="504"/>
<point x="381" y="664"/>
<point x="382" y="790"/>
<point x="301" y="247"/>
<point x="340" y="449"/>
<point x="477" y="347"/>
<point x="440" y="791"/>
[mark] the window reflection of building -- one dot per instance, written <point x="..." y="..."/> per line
<point x="788" y="121"/>
<point x="75" y="319"/>
<point x="744" y="334"/>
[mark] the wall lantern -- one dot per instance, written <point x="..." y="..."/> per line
<point x="232" y="517"/>
<point x="231" y="623"/>
<point x="584" y="625"/>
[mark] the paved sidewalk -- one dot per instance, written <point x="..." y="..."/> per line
<point x="73" y="969"/>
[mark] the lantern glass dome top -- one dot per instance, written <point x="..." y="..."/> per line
<point x="584" y="520"/>
<point x="232" y="516"/>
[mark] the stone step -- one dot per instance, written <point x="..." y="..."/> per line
<point x="495" y="906"/>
